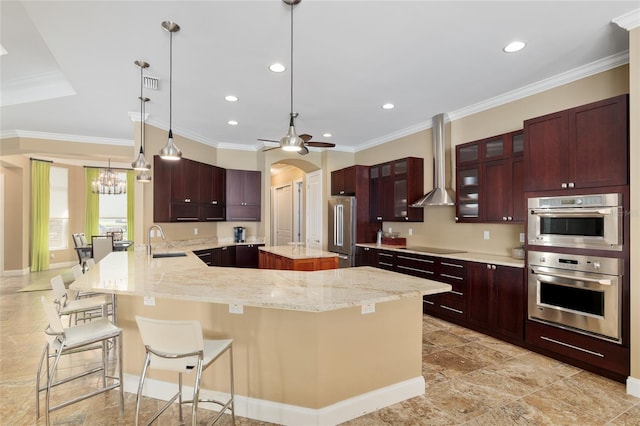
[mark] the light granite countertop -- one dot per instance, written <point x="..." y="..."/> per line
<point x="187" y="278"/>
<point x="462" y="255"/>
<point x="296" y="251"/>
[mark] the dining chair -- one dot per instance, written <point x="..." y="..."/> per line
<point x="102" y="245"/>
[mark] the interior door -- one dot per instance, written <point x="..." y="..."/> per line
<point x="314" y="210"/>
<point x="284" y="215"/>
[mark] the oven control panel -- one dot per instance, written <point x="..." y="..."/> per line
<point x="603" y="265"/>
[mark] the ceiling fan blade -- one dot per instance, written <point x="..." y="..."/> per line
<point x="269" y="149"/>
<point x="303" y="151"/>
<point x="305" y="137"/>
<point x="268" y="140"/>
<point x="320" y="144"/>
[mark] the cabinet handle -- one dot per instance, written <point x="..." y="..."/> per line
<point x="571" y="185"/>
<point x="428" y="302"/>
<point x="509" y="218"/>
<point x="455" y="265"/>
<point x="379" y="218"/>
<point x="187" y="200"/>
<point x="215" y="218"/>
<point x="564" y="185"/>
<point x="186" y="218"/>
<point x="214" y="202"/>
<point x="385" y="264"/>
<point x="416" y="259"/>
<point x="488" y="266"/>
<point x="415" y="269"/>
<point x="457" y="293"/>
<point x="493" y="267"/>
<point x="451" y="276"/>
<point x="557" y="342"/>
<point x="451" y="309"/>
<point x="456" y="218"/>
<point x="341" y="192"/>
<point x="504" y="218"/>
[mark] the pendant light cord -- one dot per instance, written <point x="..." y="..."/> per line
<point x="170" y="77"/>
<point x="142" y="110"/>
<point x="291" y="61"/>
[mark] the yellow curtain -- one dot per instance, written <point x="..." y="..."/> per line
<point x="131" y="180"/>
<point x="92" y="207"/>
<point x="40" y="195"/>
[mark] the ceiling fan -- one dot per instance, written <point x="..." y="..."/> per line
<point x="291" y="141"/>
<point x="305" y="140"/>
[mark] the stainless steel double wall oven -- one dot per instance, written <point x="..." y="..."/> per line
<point x="577" y="289"/>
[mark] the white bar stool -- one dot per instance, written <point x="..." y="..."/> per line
<point x="62" y="341"/>
<point x="179" y="346"/>
<point x="84" y="305"/>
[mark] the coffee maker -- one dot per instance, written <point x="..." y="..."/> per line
<point x="238" y="234"/>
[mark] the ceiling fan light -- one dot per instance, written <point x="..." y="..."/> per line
<point x="170" y="150"/>
<point x="291" y="141"/>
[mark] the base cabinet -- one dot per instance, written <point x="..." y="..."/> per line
<point x="496" y="300"/>
<point x="366" y="256"/>
<point x="269" y="260"/>
<point x="241" y="256"/>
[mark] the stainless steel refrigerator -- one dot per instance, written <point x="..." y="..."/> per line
<point x="342" y="229"/>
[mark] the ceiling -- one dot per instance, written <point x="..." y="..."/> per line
<point x="70" y="67"/>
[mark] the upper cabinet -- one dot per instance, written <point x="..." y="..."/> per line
<point x="393" y="186"/>
<point x="582" y="147"/>
<point x="489" y="180"/>
<point x="353" y="180"/>
<point x="243" y="191"/>
<point x="212" y="192"/>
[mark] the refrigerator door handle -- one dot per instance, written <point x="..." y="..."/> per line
<point x="338" y="230"/>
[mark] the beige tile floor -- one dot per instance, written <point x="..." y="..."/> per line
<point x="472" y="379"/>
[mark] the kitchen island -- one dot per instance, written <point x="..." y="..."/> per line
<point x="296" y="257"/>
<point x="316" y="347"/>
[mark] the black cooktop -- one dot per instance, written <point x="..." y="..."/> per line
<point x="434" y="250"/>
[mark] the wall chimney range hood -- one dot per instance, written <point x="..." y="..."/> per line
<point x="439" y="195"/>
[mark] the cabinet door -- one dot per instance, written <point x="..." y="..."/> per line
<point x="518" y="199"/>
<point x="185" y="182"/>
<point x="468" y="194"/>
<point x="375" y="194"/>
<point x="546" y="152"/>
<point x="252" y="187"/>
<point x="224" y="256"/>
<point x="243" y="193"/>
<point x="496" y="191"/>
<point x="161" y="189"/>
<point x="235" y="187"/>
<point x="480" y="295"/>
<point x="509" y="302"/>
<point x="599" y="144"/>
<point x="366" y="256"/>
<point x="247" y="256"/>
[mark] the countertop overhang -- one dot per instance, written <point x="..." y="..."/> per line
<point x="187" y="278"/>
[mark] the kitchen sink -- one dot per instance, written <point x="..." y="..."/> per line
<point x="172" y="254"/>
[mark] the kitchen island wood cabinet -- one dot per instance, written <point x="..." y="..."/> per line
<point x="582" y="147"/>
<point x="303" y="351"/>
<point x="292" y="258"/>
<point x="243" y="191"/>
<point x="238" y="256"/>
<point x="496" y="300"/>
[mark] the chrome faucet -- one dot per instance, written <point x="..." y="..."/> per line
<point x="149" y="236"/>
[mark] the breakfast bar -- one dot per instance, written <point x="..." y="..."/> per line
<point x="318" y="347"/>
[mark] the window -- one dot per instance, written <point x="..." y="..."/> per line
<point x="58" y="208"/>
<point x="113" y="213"/>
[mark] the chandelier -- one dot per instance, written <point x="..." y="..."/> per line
<point x="108" y="183"/>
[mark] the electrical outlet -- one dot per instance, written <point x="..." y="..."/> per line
<point x="410" y="231"/>
<point x="195" y="231"/>
<point x="390" y="231"/>
<point x="486" y="235"/>
<point x="234" y="308"/>
<point x="522" y="237"/>
<point x="150" y="301"/>
<point x="368" y="308"/>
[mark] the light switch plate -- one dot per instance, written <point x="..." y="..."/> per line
<point x="486" y="235"/>
<point x="150" y="301"/>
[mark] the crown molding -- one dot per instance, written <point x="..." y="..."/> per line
<point x="136" y="117"/>
<point x="66" y="138"/>
<point x="575" y="74"/>
<point x="628" y="21"/>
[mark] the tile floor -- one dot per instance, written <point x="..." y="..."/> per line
<point x="472" y="379"/>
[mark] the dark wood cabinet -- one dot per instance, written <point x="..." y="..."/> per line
<point x="187" y="191"/>
<point x="582" y="147"/>
<point x="489" y="179"/>
<point x="496" y="300"/>
<point x="366" y="256"/>
<point x="393" y="186"/>
<point x="350" y="181"/>
<point x="243" y="195"/>
<point x="212" y="193"/>
<point x="247" y="256"/>
<point x="386" y="260"/>
<point x="223" y="256"/>
<point x="205" y="256"/>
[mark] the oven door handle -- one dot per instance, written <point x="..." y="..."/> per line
<point x="603" y="281"/>
<point x="579" y="212"/>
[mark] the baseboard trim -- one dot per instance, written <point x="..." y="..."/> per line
<point x="285" y="414"/>
<point x="16" y="272"/>
<point x="633" y="386"/>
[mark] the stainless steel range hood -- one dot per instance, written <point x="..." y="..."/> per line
<point x="439" y="195"/>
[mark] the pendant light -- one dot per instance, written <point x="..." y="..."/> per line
<point x="170" y="150"/>
<point x="291" y="141"/>
<point x="141" y="163"/>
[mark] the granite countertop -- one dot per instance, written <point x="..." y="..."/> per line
<point x="461" y="255"/>
<point x="296" y="251"/>
<point x="187" y="278"/>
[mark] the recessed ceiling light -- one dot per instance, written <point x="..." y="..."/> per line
<point x="514" y="46"/>
<point x="326" y="135"/>
<point x="232" y="123"/>
<point x="388" y="106"/>
<point x="277" y="67"/>
<point x="230" y="98"/>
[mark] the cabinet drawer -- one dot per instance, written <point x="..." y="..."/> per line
<point x="184" y="212"/>
<point x="453" y="272"/>
<point x="386" y="260"/>
<point x="596" y="352"/>
<point x="418" y="266"/>
<point x="454" y="305"/>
